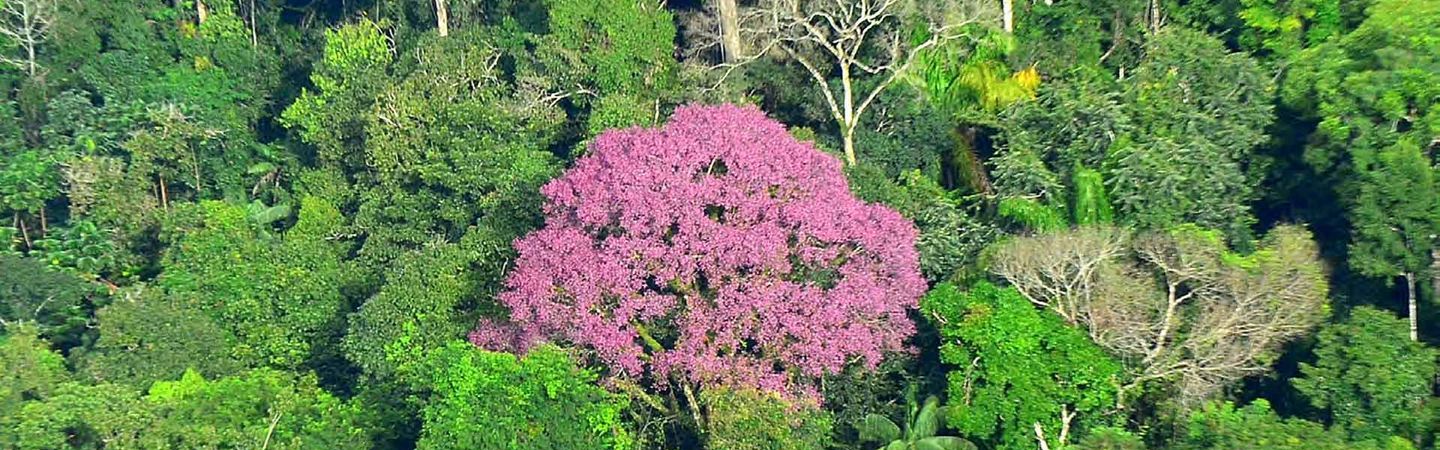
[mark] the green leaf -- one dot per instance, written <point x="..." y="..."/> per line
<point x="927" y="423"/>
<point x="260" y="168"/>
<point x="896" y="445"/>
<point x="265" y="216"/>
<point x="877" y="428"/>
<point x="944" y="443"/>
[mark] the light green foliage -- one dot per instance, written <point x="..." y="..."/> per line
<point x="1032" y="215"/>
<point x="260" y="409"/>
<point x="922" y="426"/>
<point x="747" y="419"/>
<point x="1199" y="113"/>
<point x="28" y="368"/>
<point x="1013" y="366"/>
<point x="1370" y="376"/>
<point x="617" y="111"/>
<point x="56" y="303"/>
<point x="967" y="82"/>
<point x="627" y="46"/>
<point x="497" y="401"/>
<point x="1110" y="438"/>
<point x="274" y="297"/>
<point x="28" y="179"/>
<point x="352" y="71"/>
<point x="1092" y="205"/>
<point x="963" y="78"/>
<point x="119" y="202"/>
<point x="221" y="51"/>
<point x="951" y="237"/>
<point x="145" y="337"/>
<point x="1282" y="28"/>
<point x="82" y="248"/>
<point x="1220" y="426"/>
<point x="419" y="303"/>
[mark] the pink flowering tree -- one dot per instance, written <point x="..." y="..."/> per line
<point x="717" y="250"/>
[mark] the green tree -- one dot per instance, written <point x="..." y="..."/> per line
<point x="332" y="117"/>
<point x="28" y="180"/>
<point x="748" y="419"/>
<point x="1224" y="426"/>
<point x="276" y="298"/>
<point x="453" y="149"/>
<point x="1110" y="438"/>
<point x="1395" y="215"/>
<point x="952" y="237"/>
<point x="29" y="370"/>
<point x="1073" y="122"/>
<point x="487" y="400"/>
<point x="1281" y="29"/>
<point x="259" y="409"/>
<point x="1372" y="380"/>
<point x="174" y="150"/>
<point x="1374" y="93"/>
<point x="1199" y="113"/>
<point x="626" y="47"/>
<point x="82" y="416"/>
<point x="1016" y="370"/>
<point x="146" y="337"/>
<point x="56" y="303"/>
<point x="420" y="304"/>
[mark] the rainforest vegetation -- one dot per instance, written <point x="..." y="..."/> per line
<point x="719" y="224"/>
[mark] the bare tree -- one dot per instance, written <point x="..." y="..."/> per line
<point x="1177" y="307"/>
<point x="848" y="39"/>
<point x="1061" y="271"/>
<point x="26" y="23"/>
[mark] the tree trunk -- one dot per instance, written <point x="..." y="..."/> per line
<point x="848" y="136"/>
<point x="730" y="30"/>
<point x="1410" y="297"/>
<point x="254" y="20"/>
<point x="201" y="12"/>
<point x="849" y="122"/>
<point x="442" y="17"/>
<point x="1008" y="8"/>
<point x="24" y="233"/>
<point x="1154" y="16"/>
<point x="164" y="195"/>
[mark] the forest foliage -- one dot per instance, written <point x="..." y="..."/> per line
<point x="724" y="224"/>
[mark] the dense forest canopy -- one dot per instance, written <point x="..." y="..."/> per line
<point x="719" y="224"/>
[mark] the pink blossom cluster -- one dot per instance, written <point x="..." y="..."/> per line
<point x="715" y="250"/>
